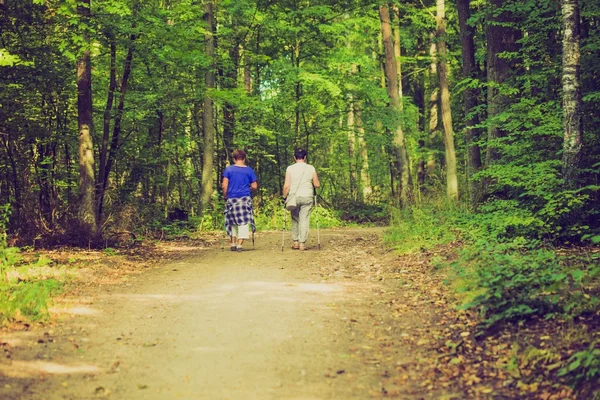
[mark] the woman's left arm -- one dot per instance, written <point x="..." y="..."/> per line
<point x="225" y="186"/>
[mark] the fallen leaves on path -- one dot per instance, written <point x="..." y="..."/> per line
<point x="407" y="327"/>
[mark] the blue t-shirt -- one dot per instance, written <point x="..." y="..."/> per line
<point x="240" y="179"/>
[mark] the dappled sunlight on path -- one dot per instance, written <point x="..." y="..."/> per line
<point x="28" y="369"/>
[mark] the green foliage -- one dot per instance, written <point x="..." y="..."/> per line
<point x="515" y="279"/>
<point x="26" y="298"/>
<point x="20" y="294"/>
<point x="271" y="215"/>
<point x="423" y="227"/>
<point x="109" y="251"/>
<point x="584" y="364"/>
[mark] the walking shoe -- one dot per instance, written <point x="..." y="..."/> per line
<point x="233" y="248"/>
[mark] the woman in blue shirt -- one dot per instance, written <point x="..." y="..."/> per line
<point x="239" y="181"/>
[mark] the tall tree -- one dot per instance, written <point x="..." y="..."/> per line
<point x="208" y="124"/>
<point x="470" y="96"/>
<point x="86" y="210"/>
<point x="571" y="66"/>
<point x="106" y="161"/>
<point x="450" y="152"/>
<point x="398" y="141"/>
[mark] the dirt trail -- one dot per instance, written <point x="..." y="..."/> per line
<point x="261" y="324"/>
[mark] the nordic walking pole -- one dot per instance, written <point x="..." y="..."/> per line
<point x="317" y="217"/>
<point x="222" y="239"/>
<point x="283" y="230"/>
<point x="223" y="230"/>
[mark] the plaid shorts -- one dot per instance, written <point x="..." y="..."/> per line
<point x="238" y="211"/>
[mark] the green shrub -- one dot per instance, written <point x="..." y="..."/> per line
<point x="584" y="365"/>
<point x="515" y="279"/>
<point x="21" y="295"/>
<point x="26" y="298"/>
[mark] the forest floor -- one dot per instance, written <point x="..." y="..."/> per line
<point x="186" y="320"/>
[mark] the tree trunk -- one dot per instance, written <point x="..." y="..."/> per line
<point x="398" y="142"/>
<point x="470" y="98"/>
<point x="571" y="66"/>
<point x="398" y="53"/>
<point x="114" y="144"/>
<point x="86" y="210"/>
<point x="365" y="178"/>
<point x="230" y="82"/>
<point x="352" y="149"/>
<point x="248" y="73"/>
<point x="18" y="202"/>
<point x="208" y="126"/>
<point x="501" y="38"/>
<point x="451" y="176"/>
<point x="296" y="64"/>
<point x="112" y="86"/>
<point x="362" y="162"/>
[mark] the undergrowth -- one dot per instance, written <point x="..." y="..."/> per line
<point x="23" y="294"/>
<point x="423" y="227"/>
<point x="269" y="214"/>
<point x="510" y="273"/>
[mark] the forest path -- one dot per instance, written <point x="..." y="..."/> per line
<point x="261" y="324"/>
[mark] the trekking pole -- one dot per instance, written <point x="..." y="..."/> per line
<point x="283" y="230"/>
<point x="222" y="238"/>
<point x="223" y="235"/>
<point x="317" y="217"/>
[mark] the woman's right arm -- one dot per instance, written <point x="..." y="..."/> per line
<point x="315" y="180"/>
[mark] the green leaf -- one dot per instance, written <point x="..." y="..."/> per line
<point x="577" y="275"/>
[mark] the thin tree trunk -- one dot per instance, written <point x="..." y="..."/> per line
<point x="352" y="148"/>
<point x="398" y="142"/>
<point x="18" y="203"/>
<point x="247" y="73"/>
<point x="114" y="145"/>
<point x="296" y="63"/>
<point x="572" y="121"/>
<point x="470" y="98"/>
<point x="433" y="87"/>
<point x="451" y="176"/>
<point x="230" y="82"/>
<point x="112" y="86"/>
<point x="208" y="125"/>
<point x="365" y="178"/>
<point x="86" y="210"/>
<point x="398" y="53"/>
<point x="421" y="169"/>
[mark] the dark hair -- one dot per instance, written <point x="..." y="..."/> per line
<point x="239" y="155"/>
<point x="299" y="154"/>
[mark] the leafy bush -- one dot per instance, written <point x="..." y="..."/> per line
<point x="516" y="279"/>
<point x="19" y="294"/>
<point x="585" y="364"/>
<point x="26" y="298"/>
